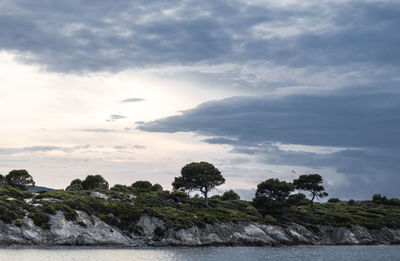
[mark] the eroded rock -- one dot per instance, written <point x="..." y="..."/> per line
<point x="90" y="230"/>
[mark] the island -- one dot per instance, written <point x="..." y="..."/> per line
<point x="89" y="213"/>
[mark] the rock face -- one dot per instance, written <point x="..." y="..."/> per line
<point x="96" y="194"/>
<point x="90" y="230"/>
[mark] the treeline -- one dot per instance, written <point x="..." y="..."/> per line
<point x="379" y="199"/>
<point x="271" y="197"/>
<point x="97" y="182"/>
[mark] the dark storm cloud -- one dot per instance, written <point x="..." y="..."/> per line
<point x="86" y="36"/>
<point x="220" y="140"/>
<point x="367" y="171"/>
<point x="341" y="119"/>
<point x="368" y="123"/>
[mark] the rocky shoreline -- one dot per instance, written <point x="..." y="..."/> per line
<point x="92" y="231"/>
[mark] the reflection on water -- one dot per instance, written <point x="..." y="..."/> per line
<point x="299" y="253"/>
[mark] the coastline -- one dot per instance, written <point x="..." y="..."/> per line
<point x="96" y="233"/>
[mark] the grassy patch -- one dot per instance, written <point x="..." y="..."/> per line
<point x="365" y="214"/>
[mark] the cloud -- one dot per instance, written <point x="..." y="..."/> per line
<point x="341" y="119"/>
<point x="35" y="149"/>
<point x="100" y="130"/>
<point x="115" y="117"/>
<point x="358" y="128"/>
<point x="126" y="147"/>
<point x="104" y="130"/>
<point x="220" y="140"/>
<point x="88" y="36"/>
<point x="364" y="171"/>
<point x="308" y="47"/>
<point x="132" y="100"/>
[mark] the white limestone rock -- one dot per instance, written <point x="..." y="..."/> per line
<point x="96" y="194"/>
<point x="277" y="233"/>
<point x="149" y="224"/>
<point x="90" y="230"/>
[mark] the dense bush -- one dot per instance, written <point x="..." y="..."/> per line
<point x="178" y="196"/>
<point x="142" y="185"/>
<point x="298" y="199"/>
<point x="230" y="195"/>
<point x="156" y="187"/>
<point x="18" y="223"/>
<point x="121" y="188"/>
<point x="94" y="182"/>
<point x="75" y="187"/>
<point x="393" y="202"/>
<point x="271" y="196"/>
<point x="379" y="199"/>
<point x="333" y="200"/>
<point x="16" y="193"/>
<point x="40" y="219"/>
<point x="159" y="232"/>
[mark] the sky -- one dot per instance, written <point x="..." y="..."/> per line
<point x="134" y="90"/>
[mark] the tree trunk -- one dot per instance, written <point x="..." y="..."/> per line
<point x="206" y="196"/>
<point x="312" y="201"/>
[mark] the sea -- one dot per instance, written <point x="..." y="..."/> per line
<point x="290" y="253"/>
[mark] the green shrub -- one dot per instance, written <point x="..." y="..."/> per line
<point x="351" y="202"/>
<point x="137" y="230"/>
<point x="121" y="188"/>
<point x="230" y="195"/>
<point x="7" y="214"/>
<point x="94" y="182"/>
<point x="377" y="198"/>
<point x="298" y="199"/>
<point x="177" y="195"/>
<point x="156" y="187"/>
<point x="18" y="223"/>
<point x="312" y="227"/>
<point x="40" y="219"/>
<point x="69" y="213"/>
<point x="334" y="200"/>
<point x="393" y="202"/>
<point x="15" y="192"/>
<point x="270" y="219"/>
<point x="48" y="208"/>
<point x="74" y="187"/>
<point x="159" y="232"/>
<point x="141" y="186"/>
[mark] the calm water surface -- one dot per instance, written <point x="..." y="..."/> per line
<point x="298" y="253"/>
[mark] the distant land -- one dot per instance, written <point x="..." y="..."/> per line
<point x="39" y="188"/>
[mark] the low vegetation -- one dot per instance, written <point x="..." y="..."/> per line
<point x="275" y="202"/>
